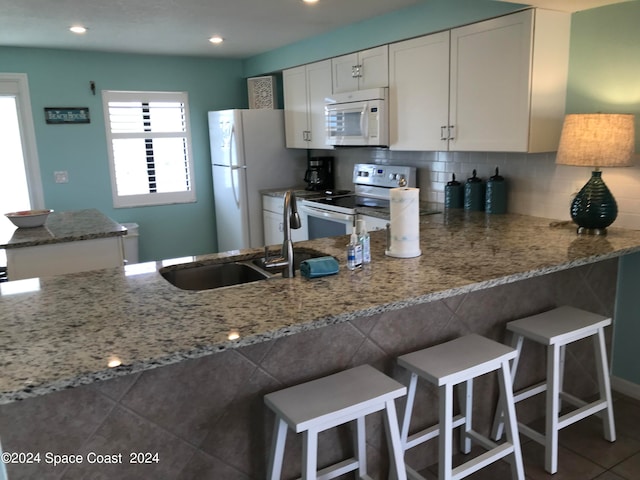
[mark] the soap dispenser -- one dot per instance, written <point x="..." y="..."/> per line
<point x="496" y="196"/>
<point x="474" y="191"/>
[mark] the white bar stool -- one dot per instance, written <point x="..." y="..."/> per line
<point x="315" y="406"/>
<point x="453" y="363"/>
<point x="555" y="329"/>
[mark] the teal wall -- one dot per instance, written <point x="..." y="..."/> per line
<point x="604" y="76"/>
<point x="61" y="78"/>
<point x="604" y="67"/>
<point x="626" y="335"/>
<point x="427" y="17"/>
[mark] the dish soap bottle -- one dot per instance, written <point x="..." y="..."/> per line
<point x="365" y="240"/>
<point x="354" y="252"/>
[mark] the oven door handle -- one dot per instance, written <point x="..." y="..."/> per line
<point x="318" y="212"/>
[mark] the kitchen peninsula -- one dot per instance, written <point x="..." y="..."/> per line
<point x="70" y="241"/>
<point x="196" y="364"/>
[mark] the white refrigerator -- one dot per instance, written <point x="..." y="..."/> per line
<point x="248" y="155"/>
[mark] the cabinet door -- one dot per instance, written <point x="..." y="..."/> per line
<point x="374" y="68"/>
<point x="374" y="223"/>
<point x="419" y="93"/>
<point x="294" y="83"/>
<point x="490" y="84"/>
<point x="272" y="228"/>
<point x="343" y="73"/>
<point x="362" y="70"/>
<point x="318" y="87"/>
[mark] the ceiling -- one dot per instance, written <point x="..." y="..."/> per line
<point x="183" y="27"/>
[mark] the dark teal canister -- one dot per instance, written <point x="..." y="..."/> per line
<point x="496" y="196"/>
<point x="474" y="191"/>
<point x="453" y="193"/>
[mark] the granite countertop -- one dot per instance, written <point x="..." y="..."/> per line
<point x="60" y="227"/>
<point x="63" y="331"/>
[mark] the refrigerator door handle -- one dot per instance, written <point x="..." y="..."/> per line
<point x="232" y="166"/>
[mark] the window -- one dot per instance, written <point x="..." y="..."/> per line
<point x="149" y="145"/>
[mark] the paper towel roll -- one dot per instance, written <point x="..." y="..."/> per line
<point x="404" y="241"/>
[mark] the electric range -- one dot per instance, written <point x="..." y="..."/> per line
<point x="335" y="213"/>
<point x="372" y="184"/>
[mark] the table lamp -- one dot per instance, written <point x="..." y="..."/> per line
<point x="596" y="140"/>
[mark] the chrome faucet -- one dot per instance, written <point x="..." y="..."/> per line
<point x="290" y="219"/>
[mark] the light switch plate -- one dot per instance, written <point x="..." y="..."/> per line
<point x="61" y="177"/>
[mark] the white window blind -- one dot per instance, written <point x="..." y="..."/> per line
<point x="149" y="148"/>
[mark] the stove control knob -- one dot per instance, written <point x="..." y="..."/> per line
<point x="402" y="182"/>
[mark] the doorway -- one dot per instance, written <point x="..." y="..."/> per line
<point x="14" y="193"/>
<point x="20" y="183"/>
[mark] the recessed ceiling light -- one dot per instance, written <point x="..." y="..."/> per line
<point x="78" y="29"/>
<point x="216" y="39"/>
<point x="310" y="1"/>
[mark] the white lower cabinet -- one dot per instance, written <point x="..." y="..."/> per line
<point x="374" y="223"/>
<point x="272" y="216"/>
<point x="65" y="257"/>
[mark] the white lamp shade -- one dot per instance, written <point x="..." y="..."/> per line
<point x="597" y="140"/>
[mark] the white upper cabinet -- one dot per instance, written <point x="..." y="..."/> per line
<point x="506" y="91"/>
<point x="305" y="89"/>
<point x="361" y="70"/>
<point x="419" y="92"/>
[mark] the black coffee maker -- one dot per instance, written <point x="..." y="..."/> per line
<point x="319" y="174"/>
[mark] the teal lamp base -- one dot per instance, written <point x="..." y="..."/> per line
<point x="593" y="209"/>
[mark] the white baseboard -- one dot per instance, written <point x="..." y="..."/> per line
<point x="625" y="387"/>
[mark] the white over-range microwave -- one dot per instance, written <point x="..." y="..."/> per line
<point x="358" y="118"/>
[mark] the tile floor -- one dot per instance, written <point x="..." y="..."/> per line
<point x="584" y="453"/>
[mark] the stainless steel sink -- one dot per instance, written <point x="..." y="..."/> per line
<point x="299" y="255"/>
<point x="226" y="274"/>
<point x="205" y="277"/>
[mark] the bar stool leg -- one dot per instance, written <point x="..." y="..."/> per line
<point x="498" y="425"/>
<point x="563" y="351"/>
<point x="277" y="449"/>
<point x="553" y="407"/>
<point x="604" y="383"/>
<point x="396" y="448"/>
<point x="361" y="446"/>
<point x="510" y="423"/>
<point x="310" y="454"/>
<point x="406" y="420"/>
<point x="466" y="409"/>
<point x="446" y="432"/>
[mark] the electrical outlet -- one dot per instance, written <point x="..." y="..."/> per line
<point x="61" y="177"/>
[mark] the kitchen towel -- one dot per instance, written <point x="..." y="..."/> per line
<point x="319" y="267"/>
<point x="404" y="239"/>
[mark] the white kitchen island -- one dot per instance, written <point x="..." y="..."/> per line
<point x="68" y="242"/>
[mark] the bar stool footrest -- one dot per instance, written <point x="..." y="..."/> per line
<point x="431" y="432"/>
<point x="338" y="469"/>
<point x="583" y="412"/>
<point x="529" y="432"/>
<point x="482" y="440"/>
<point x="482" y="461"/>
<point x="529" y="392"/>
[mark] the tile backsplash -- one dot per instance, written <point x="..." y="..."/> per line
<point x="536" y="185"/>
